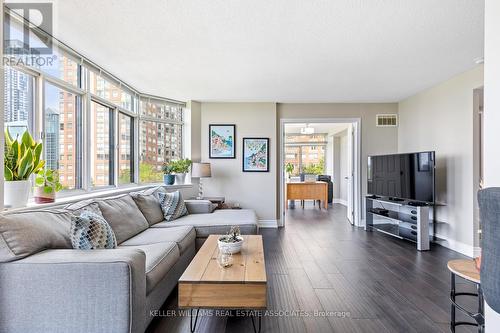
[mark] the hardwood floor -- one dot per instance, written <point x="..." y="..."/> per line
<point x="333" y="277"/>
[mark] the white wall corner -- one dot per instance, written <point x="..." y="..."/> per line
<point x="268" y="223"/>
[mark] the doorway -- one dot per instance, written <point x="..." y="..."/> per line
<point x="327" y="150"/>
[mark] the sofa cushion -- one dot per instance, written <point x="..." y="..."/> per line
<point x="184" y="236"/>
<point x="148" y="203"/>
<point x="172" y="205"/>
<point x="123" y="216"/>
<point x="160" y="257"/>
<point x="28" y="232"/>
<point x="90" y="231"/>
<point x="219" y="222"/>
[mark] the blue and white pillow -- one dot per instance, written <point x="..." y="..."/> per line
<point x="90" y="231"/>
<point x="172" y="205"/>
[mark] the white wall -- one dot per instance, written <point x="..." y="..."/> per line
<point x="256" y="190"/>
<point x="441" y="119"/>
<point x="492" y="116"/>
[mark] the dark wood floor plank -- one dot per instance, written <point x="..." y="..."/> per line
<point x="329" y="276"/>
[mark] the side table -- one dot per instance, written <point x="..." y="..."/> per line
<point x="466" y="269"/>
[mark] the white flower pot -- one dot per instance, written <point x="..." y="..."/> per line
<point x="16" y="193"/>
<point x="180" y="178"/>
<point x="231" y="247"/>
<point x="42" y="197"/>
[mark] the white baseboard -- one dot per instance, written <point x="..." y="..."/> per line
<point x="268" y="223"/>
<point x="340" y="201"/>
<point x="460" y="247"/>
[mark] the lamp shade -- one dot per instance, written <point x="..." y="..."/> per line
<point x="201" y="170"/>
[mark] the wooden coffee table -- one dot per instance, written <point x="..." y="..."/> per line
<point x="243" y="286"/>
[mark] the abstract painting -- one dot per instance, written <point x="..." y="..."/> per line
<point x="222" y="141"/>
<point x="255" y="154"/>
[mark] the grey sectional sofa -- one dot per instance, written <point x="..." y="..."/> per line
<point x="46" y="286"/>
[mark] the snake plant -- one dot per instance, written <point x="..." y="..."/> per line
<point x="22" y="156"/>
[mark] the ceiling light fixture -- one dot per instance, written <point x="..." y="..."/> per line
<point x="307" y="130"/>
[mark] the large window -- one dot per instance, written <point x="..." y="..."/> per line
<point x="101" y="151"/>
<point x="92" y="124"/>
<point x="306" y="153"/>
<point x="60" y="135"/>
<point x="125" y="151"/>
<point x="160" y="138"/>
<point x="19" y="97"/>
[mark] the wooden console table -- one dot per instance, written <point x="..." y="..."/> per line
<point x="307" y="191"/>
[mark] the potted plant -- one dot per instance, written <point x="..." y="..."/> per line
<point x="181" y="168"/>
<point x="46" y="185"/>
<point x="21" y="160"/>
<point x="232" y="242"/>
<point x="289" y="167"/>
<point x="168" y="177"/>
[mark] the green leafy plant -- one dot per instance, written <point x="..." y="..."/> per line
<point x="167" y="169"/>
<point x="49" y="180"/>
<point x="289" y="167"/>
<point x="315" y="169"/>
<point x="22" y="156"/>
<point x="233" y="236"/>
<point x="180" y="166"/>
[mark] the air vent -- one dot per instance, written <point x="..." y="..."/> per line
<point x="387" y="120"/>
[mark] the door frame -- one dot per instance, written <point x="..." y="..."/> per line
<point x="356" y="155"/>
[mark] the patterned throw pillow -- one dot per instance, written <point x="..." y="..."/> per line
<point x="172" y="205"/>
<point x="91" y="231"/>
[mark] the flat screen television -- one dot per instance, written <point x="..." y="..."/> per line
<point x="403" y="176"/>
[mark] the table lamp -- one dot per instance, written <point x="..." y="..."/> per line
<point x="201" y="170"/>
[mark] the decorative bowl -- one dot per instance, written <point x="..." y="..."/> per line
<point x="231" y="248"/>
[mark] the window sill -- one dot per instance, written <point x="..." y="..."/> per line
<point x="68" y="199"/>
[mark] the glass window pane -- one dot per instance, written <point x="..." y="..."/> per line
<point x="18" y="101"/>
<point x="160" y="110"/>
<point x="159" y="143"/>
<point x="107" y="90"/>
<point x="100" y="148"/>
<point x="125" y="158"/>
<point x="60" y="141"/>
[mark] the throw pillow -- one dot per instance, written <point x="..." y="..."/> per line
<point x="172" y="205"/>
<point x="91" y="231"/>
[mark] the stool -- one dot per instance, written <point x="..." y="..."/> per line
<point x="466" y="269"/>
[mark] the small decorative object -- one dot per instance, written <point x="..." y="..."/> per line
<point x="46" y="185"/>
<point x="232" y="242"/>
<point x="168" y="177"/>
<point x="180" y="168"/>
<point x="255" y="154"/>
<point x="309" y="178"/>
<point x="225" y="259"/>
<point x="289" y="167"/>
<point x="201" y="170"/>
<point x="22" y="158"/>
<point x="222" y="141"/>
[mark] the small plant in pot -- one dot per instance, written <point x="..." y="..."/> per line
<point x="22" y="158"/>
<point x="46" y="185"/>
<point x="181" y="168"/>
<point x="232" y="242"/>
<point x="168" y="177"/>
<point x="289" y="167"/>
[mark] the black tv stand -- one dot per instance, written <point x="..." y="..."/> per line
<point x="373" y="196"/>
<point x="417" y="203"/>
<point x="394" y="199"/>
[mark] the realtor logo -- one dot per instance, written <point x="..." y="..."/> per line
<point x="26" y="29"/>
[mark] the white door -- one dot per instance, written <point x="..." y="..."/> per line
<point x="350" y="174"/>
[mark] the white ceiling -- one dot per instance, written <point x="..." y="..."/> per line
<point x="280" y="50"/>
<point x="329" y="128"/>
